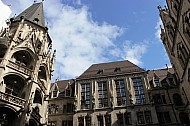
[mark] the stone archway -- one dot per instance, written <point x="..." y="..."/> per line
<point x="8" y="117"/>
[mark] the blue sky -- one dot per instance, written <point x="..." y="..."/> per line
<point x="95" y="31"/>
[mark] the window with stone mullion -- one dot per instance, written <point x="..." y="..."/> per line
<point x="121" y="95"/>
<point x="85" y="96"/>
<point x="139" y="90"/>
<point x="102" y="94"/>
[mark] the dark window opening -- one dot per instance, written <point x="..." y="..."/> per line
<point x="100" y="121"/>
<point x="177" y="100"/>
<point x="140" y="118"/>
<point x="184" y="118"/>
<point x="37" y="97"/>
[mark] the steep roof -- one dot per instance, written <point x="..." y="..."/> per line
<point x="34" y="13"/>
<point x="161" y="73"/>
<point x="63" y="84"/>
<point x="111" y="68"/>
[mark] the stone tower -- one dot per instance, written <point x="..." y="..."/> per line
<point x="26" y="67"/>
<point x="175" y="35"/>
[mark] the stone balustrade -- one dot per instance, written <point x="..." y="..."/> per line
<point x="12" y="99"/>
<point x="20" y="67"/>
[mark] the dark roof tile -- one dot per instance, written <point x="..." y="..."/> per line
<point x="104" y="69"/>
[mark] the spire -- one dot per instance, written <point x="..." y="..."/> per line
<point x="34" y="13"/>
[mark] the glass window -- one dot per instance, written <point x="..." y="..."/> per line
<point x="121" y="94"/>
<point x="128" y="120"/>
<point x="102" y="94"/>
<point x="157" y="83"/>
<point x="120" y="119"/>
<point x="85" y="96"/>
<point x="100" y="121"/>
<point x="88" y="120"/>
<point x="81" y="121"/>
<point x="139" y="90"/>
<point x="54" y="93"/>
<point x="108" y="119"/>
<point x="163" y="117"/>
<point x="140" y="118"/>
<point x="148" y="116"/>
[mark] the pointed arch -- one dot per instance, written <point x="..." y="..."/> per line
<point x="38" y="97"/>
<point x="14" y="84"/>
<point x="24" y="58"/>
<point x="42" y="74"/>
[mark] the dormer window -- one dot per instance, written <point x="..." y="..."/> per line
<point x="157" y="83"/>
<point x="54" y="94"/>
<point x="117" y="69"/>
<point x="100" y="71"/>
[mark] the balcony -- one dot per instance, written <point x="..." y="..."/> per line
<point x="20" y="67"/>
<point x="12" y="99"/>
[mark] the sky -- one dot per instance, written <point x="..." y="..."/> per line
<point x="86" y="32"/>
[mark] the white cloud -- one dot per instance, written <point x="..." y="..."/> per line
<point x="134" y="52"/>
<point x="158" y="30"/>
<point x="5" y="13"/>
<point x="79" y="40"/>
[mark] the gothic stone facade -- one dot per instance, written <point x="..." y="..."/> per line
<point x="175" y="35"/>
<point x="25" y="69"/>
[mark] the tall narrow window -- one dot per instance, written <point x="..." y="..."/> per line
<point x="128" y="120"/>
<point x="102" y="94"/>
<point x="81" y="121"/>
<point x="120" y="119"/>
<point x="140" y="118"/>
<point x="163" y="117"/>
<point x="148" y="116"/>
<point x="85" y="96"/>
<point x="88" y="120"/>
<point x="121" y="95"/>
<point x="108" y="119"/>
<point x="139" y="90"/>
<point x="100" y="121"/>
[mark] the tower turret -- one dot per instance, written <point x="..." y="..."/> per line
<point x="25" y="68"/>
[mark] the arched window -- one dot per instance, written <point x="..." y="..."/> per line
<point x="37" y="97"/>
<point x="14" y="85"/>
<point x="177" y="100"/>
<point x="42" y="73"/>
<point x="23" y="58"/>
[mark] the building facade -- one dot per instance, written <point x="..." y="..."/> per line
<point x="61" y="103"/>
<point x="112" y="94"/>
<point x="118" y="94"/>
<point x="26" y="69"/>
<point x="175" y="35"/>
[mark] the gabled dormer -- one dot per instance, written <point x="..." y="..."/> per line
<point x="156" y="80"/>
<point x="54" y="91"/>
